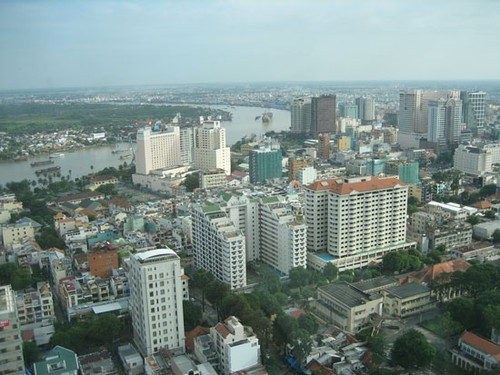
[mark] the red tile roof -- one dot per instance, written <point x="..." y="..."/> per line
<point x="221" y="328"/>
<point x="340" y="186"/>
<point x="191" y="335"/>
<point x="432" y="272"/>
<point x="481" y="344"/>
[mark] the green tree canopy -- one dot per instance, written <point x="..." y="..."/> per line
<point x="412" y="349"/>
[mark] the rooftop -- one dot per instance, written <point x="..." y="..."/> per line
<point x="346" y="294"/>
<point x="408" y="290"/>
<point x="347" y="186"/>
<point x="481" y="344"/>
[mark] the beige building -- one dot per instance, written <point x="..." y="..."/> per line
<point x="15" y="233"/>
<point x="348" y="307"/>
<point x="213" y="179"/>
<point x="407" y="299"/>
<point x="210" y="150"/>
<point x="157" y="149"/>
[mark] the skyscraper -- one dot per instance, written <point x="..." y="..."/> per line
<point x="156" y="297"/>
<point x="210" y="150"/>
<point x="366" y="109"/>
<point x="11" y="360"/>
<point x="301" y="116"/>
<point x="474" y="108"/>
<point x="323" y="115"/>
<point x="157" y="149"/>
<point x="187" y="145"/>
<point x="444" y="123"/>
<point x="413" y="109"/>
<point x="348" y="110"/>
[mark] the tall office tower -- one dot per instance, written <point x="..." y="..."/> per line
<point x="413" y="109"/>
<point x="11" y="343"/>
<point x="474" y="109"/>
<point x="323" y="115"/>
<point x="294" y="165"/>
<point x="444" y="123"/>
<point x="366" y="108"/>
<point x="301" y="116"/>
<point x="357" y="218"/>
<point x="323" y="146"/>
<point x="218" y="246"/>
<point x="348" y="110"/>
<point x="283" y="235"/>
<point x="157" y="149"/>
<point x="156" y="297"/>
<point x="210" y="150"/>
<point x="187" y="145"/>
<point x="265" y="163"/>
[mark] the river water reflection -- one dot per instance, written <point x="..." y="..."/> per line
<point x="82" y="162"/>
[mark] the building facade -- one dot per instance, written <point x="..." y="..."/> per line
<point x="265" y="163"/>
<point x="323" y="115"/>
<point x="158" y="149"/>
<point x="210" y="150"/>
<point x="366" y="109"/>
<point x="301" y="116"/>
<point x="11" y="360"/>
<point x="474" y="109"/>
<point x="156" y="299"/>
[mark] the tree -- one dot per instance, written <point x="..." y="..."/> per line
<point x="216" y="291"/>
<point x="107" y="189"/>
<point x="299" y="277"/>
<point x="412" y="349"/>
<point x="201" y="279"/>
<point x="31" y="353"/>
<point x="301" y="342"/>
<point x="330" y="272"/>
<point x="462" y="310"/>
<point x="496" y="236"/>
<point x="192" y="315"/>
<point x="393" y="262"/>
<point x="378" y="345"/>
<point x="473" y="220"/>
<point x="488" y="190"/>
<point x="284" y="326"/>
<point x="18" y="278"/>
<point x="191" y="182"/>
<point x="489" y="214"/>
<point x="308" y="323"/>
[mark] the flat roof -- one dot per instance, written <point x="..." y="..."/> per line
<point x="408" y="290"/>
<point x="154" y="253"/>
<point x="346" y="294"/>
<point x="106" y="308"/>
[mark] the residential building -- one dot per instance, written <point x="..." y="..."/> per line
<point x="366" y="109"/>
<point x="219" y="246"/>
<point x="186" y="145"/>
<point x="156" y="301"/>
<point x="444" y="123"/>
<point x="213" y="179"/>
<point x="413" y="110"/>
<point x="301" y="116"/>
<point x="131" y="360"/>
<point x="265" y="163"/>
<point x="97" y="363"/>
<point x="348" y="307"/>
<point x="15" y="233"/>
<point x="35" y="305"/>
<point x="210" y="150"/>
<point x="11" y="343"/>
<point x="476" y="354"/>
<point x="343" y="143"/>
<point x="474" y="109"/>
<point x="103" y="262"/>
<point x="356" y="220"/>
<point x="323" y="115"/>
<point x="58" y="360"/>
<point x="157" y="149"/>
<point x="476" y="160"/>
<point x="283" y="235"/>
<point x="237" y="348"/>
<point x="324" y="146"/>
<point x="307" y="175"/>
<point x="294" y="164"/>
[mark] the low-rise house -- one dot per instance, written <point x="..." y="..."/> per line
<point x="97" y="363"/>
<point x="481" y="251"/>
<point x="35" y="305"/>
<point x="59" y="360"/>
<point x="97" y="181"/>
<point x="131" y="360"/>
<point x="476" y="354"/>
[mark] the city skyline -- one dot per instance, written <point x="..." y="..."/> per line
<point x="91" y="43"/>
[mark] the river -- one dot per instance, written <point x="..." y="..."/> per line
<point x="82" y="162"/>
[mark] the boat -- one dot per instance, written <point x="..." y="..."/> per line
<point x="56" y="155"/>
<point x="41" y="162"/>
<point x="118" y="151"/>
<point x="124" y="156"/>
<point x="267" y="116"/>
<point x="48" y="170"/>
<point x="257" y="117"/>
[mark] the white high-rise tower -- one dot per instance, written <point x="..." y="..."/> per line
<point x="156" y="297"/>
<point x="157" y="149"/>
<point x="210" y="150"/>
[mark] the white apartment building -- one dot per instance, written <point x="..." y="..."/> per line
<point x="219" y="246"/>
<point x="356" y="217"/>
<point x="307" y="175"/>
<point x="157" y="149"/>
<point x="283" y="236"/>
<point x="156" y="297"/>
<point x="210" y="150"/>
<point x="236" y="350"/>
<point x="186" y="144"/>
<point x="11" y="360"/>
<point x="34" y="306"/>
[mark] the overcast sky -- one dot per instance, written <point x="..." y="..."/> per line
<point x="72" y="43"/>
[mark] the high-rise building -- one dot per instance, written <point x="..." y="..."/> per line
<point x="11" y="343"/>
<point x="301" y="116"/>
<point x="366" y="109"/>
<point x="156" y="295"/>
<point x="323" y="146"/>
<point x="323" y="115"/>
<point x="265" y="163"/>
<point x="474" y="109"/>
<point x="444" y="123"/>
<point x="283" y="237"/>
<point x="356" y="220"/>
<point x="210" y="150"/>
<point x="348" y="110"/>
<point x="407" y="171"/>
<point x="219" y="246"/>
<point x="187" y="145"/>
<point x="294" y="165"/>
<point x="413" y="109"/>
<point x="157" y="149"/>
